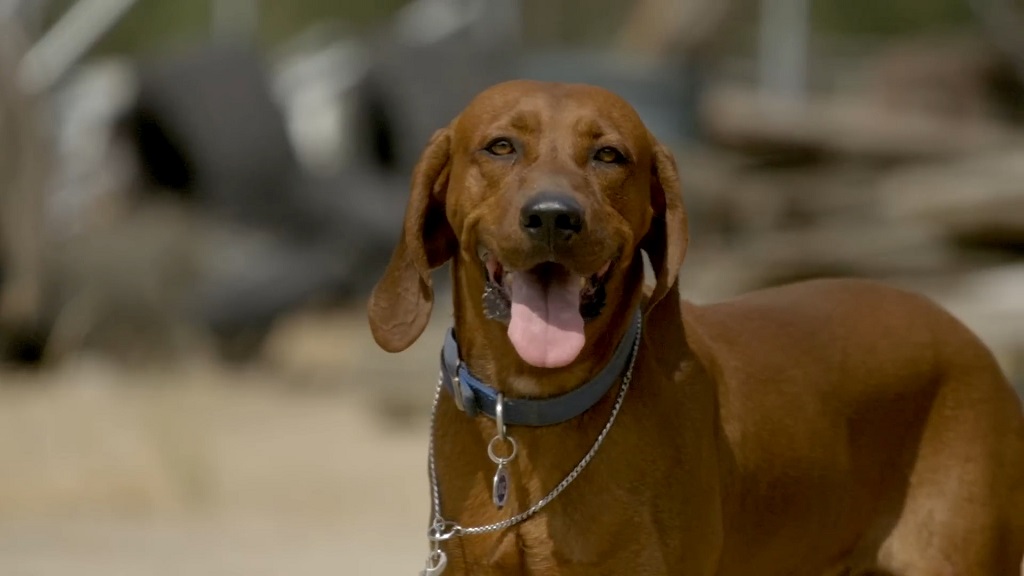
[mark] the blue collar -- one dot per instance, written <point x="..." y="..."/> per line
<point x="473" y="396"/>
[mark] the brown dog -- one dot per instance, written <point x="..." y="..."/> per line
<point x="825" y="428"/>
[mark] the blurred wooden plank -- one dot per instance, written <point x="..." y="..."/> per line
<point x="850" y="248"/>
<point x="839" y="125"/>
<point x="979" y="195"/>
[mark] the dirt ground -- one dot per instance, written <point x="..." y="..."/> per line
<point x="311" y="463"/>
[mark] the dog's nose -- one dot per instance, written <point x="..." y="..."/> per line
<point x="551" y="218"/>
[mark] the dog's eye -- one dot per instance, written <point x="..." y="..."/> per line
<point x="609" y="155"/>
<point x="500" y="147"/>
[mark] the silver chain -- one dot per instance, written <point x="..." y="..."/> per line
<point x="441" y="530"/>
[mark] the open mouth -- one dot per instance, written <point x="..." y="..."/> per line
<point x="545" y="307"/>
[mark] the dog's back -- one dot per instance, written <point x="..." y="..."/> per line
<point x="867" y="427"/>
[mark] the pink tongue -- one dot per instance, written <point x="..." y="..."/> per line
<point x="546" y="327"/>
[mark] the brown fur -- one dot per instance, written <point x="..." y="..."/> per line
<point x="824" y="428"/>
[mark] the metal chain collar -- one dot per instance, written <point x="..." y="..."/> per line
<point x="442" y="530"/>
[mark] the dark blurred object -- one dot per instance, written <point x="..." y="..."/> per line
<point x="206" y="127"/>
<point x="24" y="164"/>
<point x="425" y="66"/>
<point x="1003" y="20"/>
<point x="251" y="276"/>
<point x="205" y="124"/>
<point x="956" y="77"/>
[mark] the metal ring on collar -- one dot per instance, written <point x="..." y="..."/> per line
<point x="494" y="457"/>
<point x="499" y="415"/>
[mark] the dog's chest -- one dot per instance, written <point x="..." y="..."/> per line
<point x="558" y="545"/>
<point x="532" y="547"/>
<point x="501" y="553"/>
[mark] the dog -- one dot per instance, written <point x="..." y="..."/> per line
<point x="587" y="422"/>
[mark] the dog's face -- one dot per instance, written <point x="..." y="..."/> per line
<point x="550" y="191"/>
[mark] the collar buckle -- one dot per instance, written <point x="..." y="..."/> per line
<point x="462" y="393"/>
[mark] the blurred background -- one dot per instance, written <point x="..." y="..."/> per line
<point x="196" y="197"/>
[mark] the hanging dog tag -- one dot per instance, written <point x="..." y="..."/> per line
<point x="500" y="485"/>
<point x="499" y="488"/>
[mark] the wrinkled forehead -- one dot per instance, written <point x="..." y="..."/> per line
<point x="527" y="107"/>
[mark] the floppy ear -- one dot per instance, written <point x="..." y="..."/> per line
<point x="401" y="301"/>
<point x="667" y="237"/>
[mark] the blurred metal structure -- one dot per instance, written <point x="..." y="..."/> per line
<point x="27" y="13"/>
<point x="67" y="42"/>
<point x="315" y="79"/>
<point x="25" y="162"/>
<point x="782" y="49"/>
<point x="207" y="129"/>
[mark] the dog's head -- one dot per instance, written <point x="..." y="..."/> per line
<point x="544" y="194"/>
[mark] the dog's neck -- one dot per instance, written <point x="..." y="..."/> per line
<point x="474" y="396"/>
<point x="546" y="455"/>
<point x="487" y="352"/>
